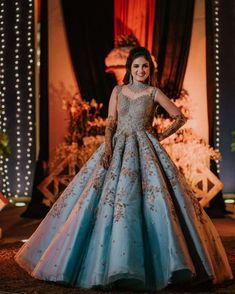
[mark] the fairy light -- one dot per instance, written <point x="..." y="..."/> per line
<point x="22" y="156"/>
<point x="18" y="98"/>
<point x="217" y="78"/>
<point x="3" y="117"/>
<point x="30" y="67"/>
<point x="23" y="183"/>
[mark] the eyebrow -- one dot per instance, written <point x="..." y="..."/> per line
<point x="146" y="63"/>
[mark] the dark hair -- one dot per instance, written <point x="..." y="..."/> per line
<point x="135" y="53"/>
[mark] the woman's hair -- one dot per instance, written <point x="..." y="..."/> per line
<point x="135" y="53"/>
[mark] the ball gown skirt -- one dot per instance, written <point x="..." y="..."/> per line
<point x="136" y="225"/>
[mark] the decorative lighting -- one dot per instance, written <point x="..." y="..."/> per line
<point x="20" y="204"/>
<point x="20" y="164"/>
<point x="217" y="78"/>
<point x="3" y="117"/>
<point x="229" y="201"/>
<point x="30" y="67"/>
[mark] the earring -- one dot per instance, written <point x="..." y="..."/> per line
<point x="130" y="79"/>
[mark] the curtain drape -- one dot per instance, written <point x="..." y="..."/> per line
<point x="135" y="17"/>
<point x="217" y="206"/>
<point x="90" y="33"/>
<point x="172" y="36"/>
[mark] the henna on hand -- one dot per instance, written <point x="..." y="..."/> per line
<point x="109" y="131"/>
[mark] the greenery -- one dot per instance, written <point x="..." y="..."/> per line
<point x="4" y="145"/>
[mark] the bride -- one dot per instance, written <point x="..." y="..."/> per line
<point x="128" y="218"/>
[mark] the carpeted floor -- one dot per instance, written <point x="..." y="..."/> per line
<point x="14" y="280"/>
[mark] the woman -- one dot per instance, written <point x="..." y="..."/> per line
<point x="128" y="219"/>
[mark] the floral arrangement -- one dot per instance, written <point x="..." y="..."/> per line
<point x="4" y="145"/>
<point x="85" y="130"/>
<point x="84" y="119"/>
<point x="81" y="153"/>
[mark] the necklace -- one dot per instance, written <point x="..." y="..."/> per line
<point x="137" y="87"/>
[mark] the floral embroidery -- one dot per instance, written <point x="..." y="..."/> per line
<point x="148" y="187"/>
<point x="151" y="199"/>
<point x="129" y="173"/>
<point x="120" y="205"/>
<point x="97" y="183"/>
<point x="109" y="197"/>
<point x="60" y="204"/>
<point x="131" y="153"/>
<point x="112" y="175"/>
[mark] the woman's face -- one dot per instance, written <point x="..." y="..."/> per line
<point x="140" y="69"/>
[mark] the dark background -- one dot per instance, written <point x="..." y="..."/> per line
<point x="227" y="93"/>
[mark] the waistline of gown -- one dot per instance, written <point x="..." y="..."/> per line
<point x="131" y="130"/>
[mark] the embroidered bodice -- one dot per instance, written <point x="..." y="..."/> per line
<point x="135" y="114"/>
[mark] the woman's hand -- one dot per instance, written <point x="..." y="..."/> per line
<point x="106" y="157"/>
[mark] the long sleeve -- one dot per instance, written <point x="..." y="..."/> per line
<point x="174" y="112"/>
<point x="179" y="121"/>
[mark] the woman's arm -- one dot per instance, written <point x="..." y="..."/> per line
<point x="174" y="112"/>
<point x="110" y="128"/>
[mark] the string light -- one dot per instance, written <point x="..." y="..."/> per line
<point x="18" y="98"/>
<point x="22" y="155"/>
<point x="3" y="117"/>
<point x="30" y="129"/>
<point x="217" y="78"/>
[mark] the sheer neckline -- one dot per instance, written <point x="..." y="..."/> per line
<point x="145" y="93"/>
<point x="141" y="93"/>
<point x="137" y="98"/>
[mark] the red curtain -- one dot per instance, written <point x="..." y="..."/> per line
<point x="135" y="17"/>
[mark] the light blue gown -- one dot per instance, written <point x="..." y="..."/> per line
<point x="135" y="225"/>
